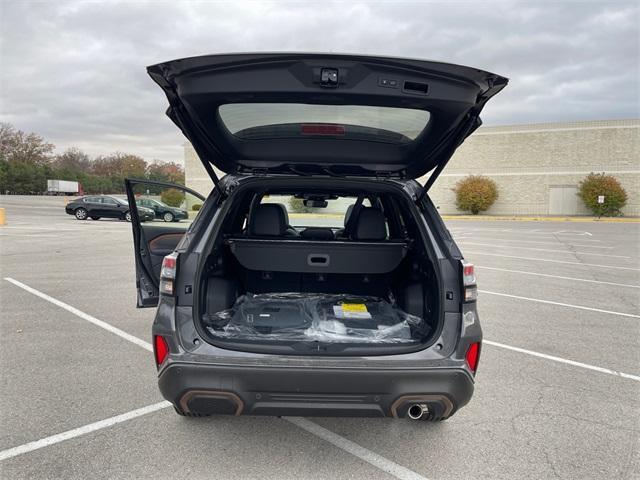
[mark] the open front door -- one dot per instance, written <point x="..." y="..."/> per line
<point x="160" y="215"/>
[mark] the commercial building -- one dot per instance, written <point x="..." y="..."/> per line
<point x="537" y="167"/>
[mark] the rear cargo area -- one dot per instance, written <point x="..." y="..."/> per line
<point x="368" y="280"/>
<point x="293" y="316"/>
<point x="366" y="300"/>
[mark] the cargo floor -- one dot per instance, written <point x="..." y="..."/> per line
<point x="316" y="317"/>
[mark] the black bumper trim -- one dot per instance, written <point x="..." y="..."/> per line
<point x="212" y="389"/>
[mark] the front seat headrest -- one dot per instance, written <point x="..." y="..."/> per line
<point x="268" y="219"/>
<point x="284" y="212"/>
<point x="348" y="213"/>
<point x="370" y="225"/>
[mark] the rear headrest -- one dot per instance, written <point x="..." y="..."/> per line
<point x="370" y="225"/>
<point x="268" y="219"/>
<point x="348" y="213"/>
<point x="317" y="233"/>
<point x="284" y="211"/>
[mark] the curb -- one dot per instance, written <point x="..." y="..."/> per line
<point x="489" y="218"/>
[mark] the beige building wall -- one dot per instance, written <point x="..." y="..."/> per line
<point x="196" y="177"/>
<point x="526" y="161"/>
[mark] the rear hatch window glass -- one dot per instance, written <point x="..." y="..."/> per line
<point x="362" y="122"/>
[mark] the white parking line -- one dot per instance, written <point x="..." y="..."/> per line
<point x="32" y="235"/>
<point x="560" y="304"/>
<point x="542" y="249"/>
<point x="53" y="229"/>
<point x="537" y="259"/>
<point x="550" y="237"/>
<point x="76" y="432"/>
<point x="558" y="276"/>
<point x="356" y="450"/>
<point x="84" y="316"/>
<point x="563" y="360"/>
<point x="558" y="243"/>
<point x="577" y="233"/>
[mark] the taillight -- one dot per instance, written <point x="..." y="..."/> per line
<point x="473" y="355"/>
<point x="469" y="282"/>
<point x="168" y="273"/>
<point x="160" y="348"/>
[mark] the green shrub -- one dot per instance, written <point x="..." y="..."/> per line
<point x="196" y="206"/>
<point x="475" y="194"/>
<point x="596" y="184"/>
<point x="172" y="197"/>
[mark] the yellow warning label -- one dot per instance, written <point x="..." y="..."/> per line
<point x="354" y="307"/>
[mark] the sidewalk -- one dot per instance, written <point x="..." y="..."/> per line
<point x="540" y="218"/>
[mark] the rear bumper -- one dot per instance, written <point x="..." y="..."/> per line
<point x="302" y="391"/>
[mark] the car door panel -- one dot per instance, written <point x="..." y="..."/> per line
<point x="152" y="241"/>
<point x="161" y="243"/>
<point x="110" y="208"/>
<point x="92" y="206"/>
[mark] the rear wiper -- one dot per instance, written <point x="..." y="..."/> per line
<point x="299" y="172"/>
<point x="331" y="173"/>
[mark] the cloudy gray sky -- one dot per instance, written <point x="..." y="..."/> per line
<point x="74" y="72"/>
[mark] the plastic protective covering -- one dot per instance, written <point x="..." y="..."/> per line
<point x="316" y="317"/>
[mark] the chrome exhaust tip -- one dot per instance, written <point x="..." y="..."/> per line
<point x="417" y="411"/>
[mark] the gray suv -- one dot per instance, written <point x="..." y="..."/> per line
<point x="317" y="278"/>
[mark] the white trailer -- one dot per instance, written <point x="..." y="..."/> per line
<point x="62" y="187"/>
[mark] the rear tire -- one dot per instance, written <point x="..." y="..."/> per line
<point x="81" y="213"/>
<point x="127" y="216"/>
<point x="168" y="217"/>
<point x="95" y="218"/>
<point x="179" y="412"/>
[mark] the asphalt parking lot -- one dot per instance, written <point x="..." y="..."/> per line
<point x="557" y="393"/>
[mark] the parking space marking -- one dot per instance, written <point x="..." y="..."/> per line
<point x="535" y="259"/>
<point x="84" y="316"/>
<point x="76" y="432"/>
<point x="32" y="235"/>
<point x="68" y="228"/>
<point x="563" y="360"/>
<point x="356" y="450"/>
<point x="558" y="276"/>
<point x="543" y="249"/>
<point x="557" y="243"/>
<point x="569" y="305"/>
<point x="537" y="231"/>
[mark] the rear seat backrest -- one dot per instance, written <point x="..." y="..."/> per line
<point x="370" y="225"/>
<point x="317" y="233"/>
